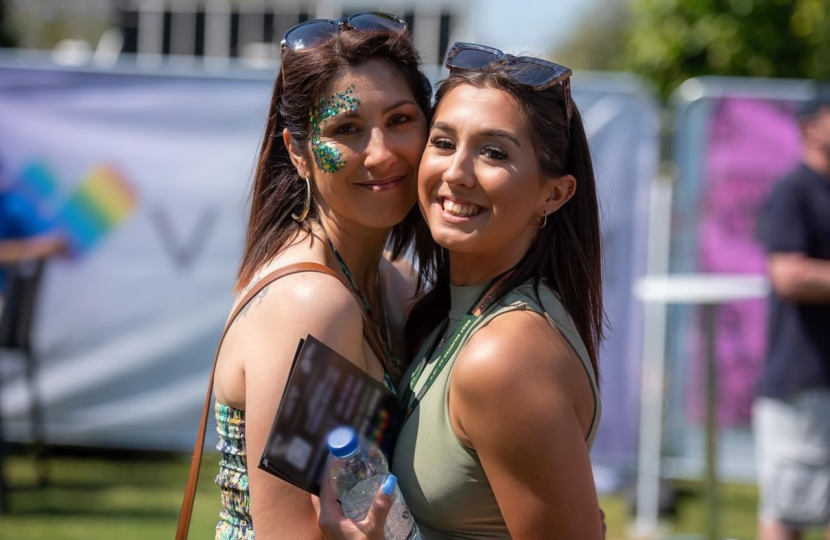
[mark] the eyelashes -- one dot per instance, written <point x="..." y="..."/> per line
<point x="352" y="128"/>
<point x="491" y="152"/>
<point x="347" y="129"/>
<point x="494" y="153"/>
<point x="441" y="143"/>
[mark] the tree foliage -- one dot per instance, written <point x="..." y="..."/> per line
<point x="598" y="41"/>
<point x="669" y="41"/>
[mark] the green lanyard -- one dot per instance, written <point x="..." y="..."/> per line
<point x="476" y="311"/>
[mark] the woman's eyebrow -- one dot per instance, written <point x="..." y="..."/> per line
<point x="503" y="134"/>
<point x="356" y="113"/>
<point x="400" y="103"/>
<point x="495" y="132"/>
<point x="443" y="126"/>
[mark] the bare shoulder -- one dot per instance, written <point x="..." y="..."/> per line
<point x="517" y="348"/>
<point x="305" y="297"/>
<point x="519" y="358"/>
<point x="519" y="396"/>
<point x="292" y="308"/>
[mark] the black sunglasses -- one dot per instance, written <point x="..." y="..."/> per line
<point x="311" y="33"/>
<point x="537" y="73"/>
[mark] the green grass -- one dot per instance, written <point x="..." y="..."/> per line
<point x="102" y="498"/>
<point x="92" y="498"/>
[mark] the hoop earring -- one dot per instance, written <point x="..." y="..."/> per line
<point x="307" y="206"/>
<point x="542" y="221"/>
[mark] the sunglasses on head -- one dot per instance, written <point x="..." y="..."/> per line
<point x="310" y="33"/>
<point x="537" y="73"/>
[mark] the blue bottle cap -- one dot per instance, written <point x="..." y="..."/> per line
<point x="342" y="442"/>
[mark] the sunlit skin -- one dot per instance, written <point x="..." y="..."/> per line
<point x="481" y="188"/>
<point x="379" y="144"/>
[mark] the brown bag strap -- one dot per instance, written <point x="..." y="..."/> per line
<point x="193" y="477"/>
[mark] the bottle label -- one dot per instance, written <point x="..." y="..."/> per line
<point x="400" y="522"/>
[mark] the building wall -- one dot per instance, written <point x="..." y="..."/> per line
<point x="222" y="29"/>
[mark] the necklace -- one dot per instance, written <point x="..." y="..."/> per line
<point x="382" y="331"/>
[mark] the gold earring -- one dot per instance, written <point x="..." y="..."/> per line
<point x="542" y="221"/>
<point x="307" y="206"/>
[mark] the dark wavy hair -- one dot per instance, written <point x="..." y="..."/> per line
<point x="566" y="254"/>
<point x="304" y="77"/>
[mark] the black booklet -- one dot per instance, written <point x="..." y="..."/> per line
<point x="325" y="391"/>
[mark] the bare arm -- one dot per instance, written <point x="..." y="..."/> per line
<point x="799" y="278"/>
<point x="267" y="335"/>
<point x="522" y="400"/>
<point x="12" y="251"/>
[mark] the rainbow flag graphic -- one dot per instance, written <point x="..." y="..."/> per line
<point x="101" y="202"/>
<point x="382" y="421"/>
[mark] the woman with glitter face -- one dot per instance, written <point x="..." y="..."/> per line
<point x="501" y="398"/>
<point x="336" y="183"/>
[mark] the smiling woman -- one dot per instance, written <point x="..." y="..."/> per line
<point x="505" y="389"/>
<point x="502" y="397"/>
<point x="335" y="182"/>
<point x="367" y="136"/>
<point x="482" y="188"/>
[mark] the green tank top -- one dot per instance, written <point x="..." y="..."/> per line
<point x="442" y="480"/>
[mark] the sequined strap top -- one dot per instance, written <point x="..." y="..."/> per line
<point x="235" y="518"/>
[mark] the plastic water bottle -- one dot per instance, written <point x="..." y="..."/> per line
<point x="356" y="471"/>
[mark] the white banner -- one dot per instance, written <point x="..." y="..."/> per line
<point x="126" y="329"/>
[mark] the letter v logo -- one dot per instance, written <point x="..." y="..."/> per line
<point x="184" y="251"/>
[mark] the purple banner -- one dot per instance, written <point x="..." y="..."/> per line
<point x="751" y="144"/>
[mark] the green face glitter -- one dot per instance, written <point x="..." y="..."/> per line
<point x="328" y="157"/>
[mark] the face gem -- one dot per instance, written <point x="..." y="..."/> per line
<point x="326" y="155"/>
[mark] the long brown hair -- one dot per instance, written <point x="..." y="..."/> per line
<point x="566" y="254"/>
<point x="304" y="76"/>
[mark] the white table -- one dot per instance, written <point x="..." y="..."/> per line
<point x="708" y="291"/>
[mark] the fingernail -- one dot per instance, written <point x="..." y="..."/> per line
<point x="389" y="485"/>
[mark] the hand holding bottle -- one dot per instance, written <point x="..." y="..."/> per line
<point x="336" y="526"/>
<point x="358" y="474"/>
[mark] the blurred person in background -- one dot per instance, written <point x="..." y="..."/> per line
<point x="336" y="183"/>
<point x="25" y="234"/>
<point x="502" y="396"/>
<point x="791" y="416"/>
<point x="27" y="238"/>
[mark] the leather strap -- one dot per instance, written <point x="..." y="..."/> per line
<point x="368" y="331"/>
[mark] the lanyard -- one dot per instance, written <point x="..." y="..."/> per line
<point x="476" y="311"/>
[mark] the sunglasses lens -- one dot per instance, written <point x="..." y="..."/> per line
<point x="372" y="22"/>
<point x="473" y="59"/>
<point x="532" y="74"/>
<point x="308" y="35"/>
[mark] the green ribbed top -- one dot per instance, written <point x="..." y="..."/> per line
<point x="442" y="480"/>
